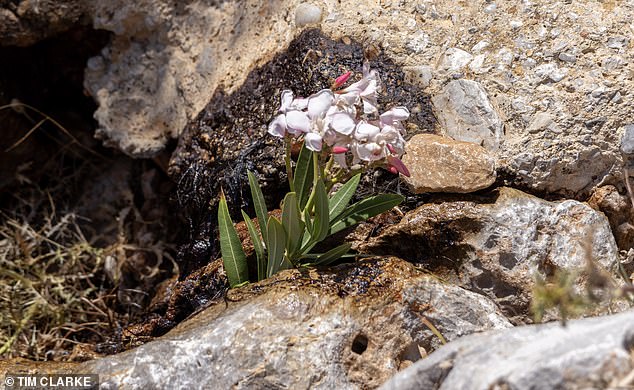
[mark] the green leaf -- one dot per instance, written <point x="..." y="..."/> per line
<point x="275" y="245"/>
<point x="333" y="254"/>
<point x="365" y="209"/>
<point x="340" y="199"/>
<point x="258" y="204"/>
<point x="233" y="257"/>
<point x="257" y="246"/>
<point x="321" y="222"/>
<point x="303" y="175"/>
<point x="292" y="222"/>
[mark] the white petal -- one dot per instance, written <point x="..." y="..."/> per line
<point x="370" y="89"/>
<point x="277" y="127"/>
<point x="368" y="152"/>
<point x="341" y="160"/>
<point x="299" y="104"/>
<point x="320" y="102"/>
<point x="313" y="141"/>
<point x="395" y="114"/>
<point x="330" y="137"/>
<point x="342" y="123"/>
<point x="287" y="98"/>
<point x="366" y="131"/>
<point x="297" y="121"/>
<point x="369" y="105"/>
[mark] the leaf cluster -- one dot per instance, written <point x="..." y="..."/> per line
<point x="309" y="215"/>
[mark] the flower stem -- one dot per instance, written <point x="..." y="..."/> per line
<point x="287" y="159"/>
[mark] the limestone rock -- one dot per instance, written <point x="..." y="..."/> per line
<point x="440" y="164"/>
<point x="351" y="327"/>
<point x="466" y="114"/>
<point x="497" y="244"/>
<point x="585" y="354"/>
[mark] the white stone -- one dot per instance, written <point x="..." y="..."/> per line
<point x="307" y="13"/>
<point x="454" y="59"/>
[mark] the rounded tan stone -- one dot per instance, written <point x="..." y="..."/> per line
<point x="441" y="164"/>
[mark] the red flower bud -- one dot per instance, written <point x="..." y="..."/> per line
<point x="339" y="149"/>
<point x="339" y="81"/>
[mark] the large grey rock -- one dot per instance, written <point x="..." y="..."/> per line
<point x="349" y="329"/>
<point x="440" y="164"/>
<point x="352" y="327"/>
<point x="496" y="245"/>
<point x="586" y="354"/>
<point x="466" y="114"/>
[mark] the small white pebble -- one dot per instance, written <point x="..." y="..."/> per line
<point x="307" y="13"/>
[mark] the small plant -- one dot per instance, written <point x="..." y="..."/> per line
<point x="343" y="135"/>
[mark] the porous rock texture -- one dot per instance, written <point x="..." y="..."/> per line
<point x="496" y="244"/>
<point x="591" y="353"/>
<point x="352" y="327"/>
<point x="557" y="74"/>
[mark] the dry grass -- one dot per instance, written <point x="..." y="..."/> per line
<point x="49" y="286"/>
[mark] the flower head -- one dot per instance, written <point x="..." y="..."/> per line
<point x="331" y="119"/>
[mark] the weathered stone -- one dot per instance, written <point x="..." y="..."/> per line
<point x="627" y="140"/>
<point x="167" y="61"/>
<point x="585" y="354"/>
<point x="454" y="60"/>
<point x="496" y="245"/>
<point x="352" y="327"/>
<point x="23" y="23"/>
<point x="618" y="209"/>
<point x="466" y="114"/>
<point x="440" y="164"/>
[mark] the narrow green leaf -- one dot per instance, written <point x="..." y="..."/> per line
<point x="365" y="209"/>
<point x="275" y="246"/>
<point x="321" y="222"/>
<point x="286" y="264"/>
<point x="292" y="222"/>
<point x="333" y="254"/>
<point x="340" y="199"/>
<point x="303" y="175"/>
<point x="233" y="257"/>
<point x="258" y="204"/>
<point x="257" y="246"/>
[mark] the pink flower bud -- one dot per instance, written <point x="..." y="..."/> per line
<point x="339" y="81"/>
<point x="391" y="149"/>
<point x="397" y="164"/>
<point x="339" y="149"/>
<point x="393" y="170"/>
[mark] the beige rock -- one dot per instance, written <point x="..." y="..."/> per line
<point x="440" y="164"/>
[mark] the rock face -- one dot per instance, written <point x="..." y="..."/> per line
<point x="348" y="328"/>
<point x="23" y="23"/>
<point x="497" y="244"/>
<point x="558" y="72"/>
<point x="440" y="164"/>
<point x="466" y="114"/>
<point x="618" y="209"/>
<point x="586" y="354"/>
